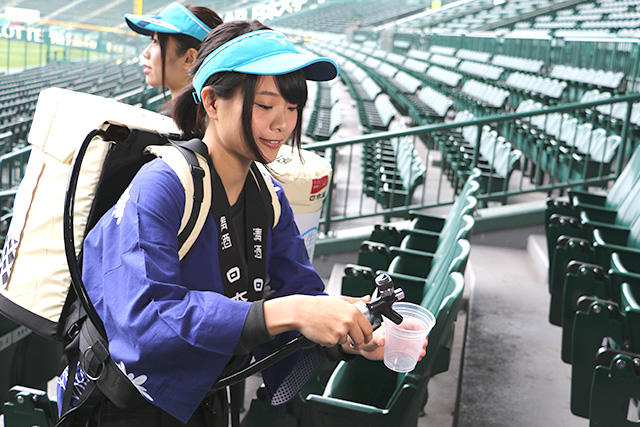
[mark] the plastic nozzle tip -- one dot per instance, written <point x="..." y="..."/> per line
<point x="383" y="279"/>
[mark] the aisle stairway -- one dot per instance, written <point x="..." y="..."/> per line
<point x="512" y="374"/>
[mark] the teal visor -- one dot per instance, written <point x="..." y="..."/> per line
<point x="263" y="52"/>
<point x="174" y="19"/>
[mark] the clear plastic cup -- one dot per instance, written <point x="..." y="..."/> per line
<point x="403" y="342"/>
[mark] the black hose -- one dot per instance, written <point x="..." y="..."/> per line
<point x="289" y="348"/>
<point x="68" y="232"/>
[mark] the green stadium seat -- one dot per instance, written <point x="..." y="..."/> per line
<point x="394" y="173"/>
<point x="416" y="272"/>
<point x="578" y="199"/>
<point x="579" y="282"/>
<point x="575" y="243"/>
<point x="357" y="281"/>
<point x="615" y="383"/>
<point x="355" y="396"/>
<point x="29" y="407"/>
<point x="363" y="392"/>
<point x="374" y="255"/>
<point x="21" y="360"/>
<point x="596" y="320"/>
<point x="12" y="167"/>
<point x="391" y="236"/>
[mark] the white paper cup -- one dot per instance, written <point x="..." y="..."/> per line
<point x="403" y="342"/>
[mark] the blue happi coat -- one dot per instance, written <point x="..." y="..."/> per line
<point x="170" y="327"/>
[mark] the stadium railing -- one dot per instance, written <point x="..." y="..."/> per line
<point x="349" y="172"/>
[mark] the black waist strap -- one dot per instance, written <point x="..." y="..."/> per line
<point x="101" y="369"/>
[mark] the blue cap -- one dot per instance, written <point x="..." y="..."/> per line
<point x="174" y="19"/>
<point x="262" y="52"/>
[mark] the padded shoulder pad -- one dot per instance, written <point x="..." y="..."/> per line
<point x="172" y="156"/>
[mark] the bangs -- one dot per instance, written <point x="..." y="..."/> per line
<point x="293" y="87"/>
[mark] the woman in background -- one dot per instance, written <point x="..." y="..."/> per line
<point x="176" y="34"/>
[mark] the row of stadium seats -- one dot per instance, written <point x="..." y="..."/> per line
<point x="613" y="16"/>
<point x="564" y="146"/>
<point x="428" y="263"/>
<point x="403" y="86"/>
<point x="529" y="75"/>
<point x="104" y="14"/>
<point x="496" y="161"/>
<point x="593" y="243"/>
<point x="563" y="81"/>
<point x="326" y="115"/>
<point x="392" y="171"/>
<point x="615" y="111"/>
<point x="542" y="15"/>
<point x="497" y="156"/>
<point x="572" y="149"/>
<point x="468" y="16"/>
<point x="338" y="15"/>
<point x="19" y="91"/>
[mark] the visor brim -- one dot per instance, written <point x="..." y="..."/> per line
<point x="315" y="68"/>
<point x="141" y="24"/>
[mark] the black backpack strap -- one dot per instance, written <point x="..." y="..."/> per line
<point x="266" y="189"/>
<point x="196" y="145"/>
<point x="90" y="348"/>
<point x="100" y="368"/>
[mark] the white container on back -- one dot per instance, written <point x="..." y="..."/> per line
<point x="305" y="178"/>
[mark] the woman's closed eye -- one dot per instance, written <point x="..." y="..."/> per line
<point x="268" y="107"/>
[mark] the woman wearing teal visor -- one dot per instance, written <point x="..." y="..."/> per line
<point x="246" y="287"/>
<point x="176" y="34"/>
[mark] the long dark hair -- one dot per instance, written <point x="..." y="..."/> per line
<point x="191" y="118"/>
<point x="184" y="42"/>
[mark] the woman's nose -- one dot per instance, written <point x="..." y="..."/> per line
<point x="145" y="52"/>
<point x="279" y="122"/>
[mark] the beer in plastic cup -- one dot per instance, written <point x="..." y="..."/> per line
<point x="403" y="342"/>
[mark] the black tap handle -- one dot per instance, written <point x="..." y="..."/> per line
<point x="392" y="315"/>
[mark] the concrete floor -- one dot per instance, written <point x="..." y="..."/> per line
<point x="512" y="373"/>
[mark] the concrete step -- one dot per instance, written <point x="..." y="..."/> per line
<point x="537" y="250"/>
<point x="512" y="373"/>
<point x="334" y="285"/>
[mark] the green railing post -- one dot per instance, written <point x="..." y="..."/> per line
<point x="624" y="136"/>
<point x="636" y="60"/>
<point x="476" y="149"/>
<point x="327" y="207"/>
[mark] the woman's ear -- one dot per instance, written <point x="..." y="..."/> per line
<point x="189" y="58"/>
<point x="209" y="102"/>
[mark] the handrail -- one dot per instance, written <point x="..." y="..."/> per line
<point x="380" y="195"/>
<point x="629" y="98"/>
